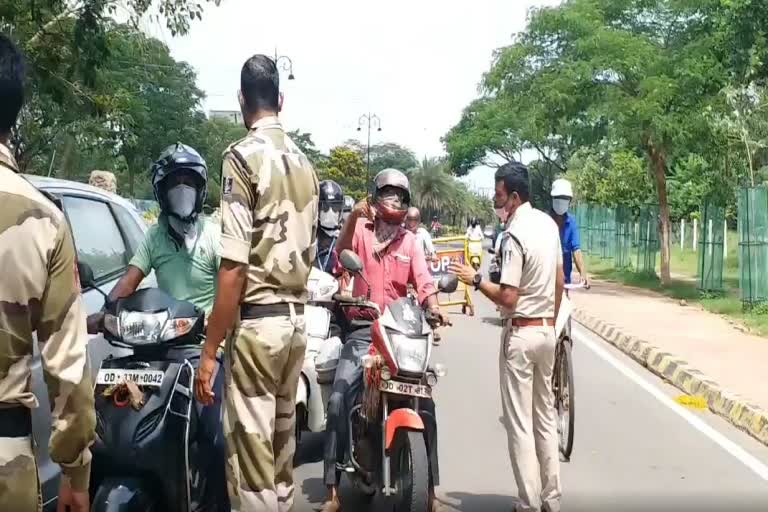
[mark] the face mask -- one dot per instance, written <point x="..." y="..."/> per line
<point x="560" y="206"/>
<point x="502" y="214"/>
<point x="329" y="218"/>
<point x="181" y="200"/>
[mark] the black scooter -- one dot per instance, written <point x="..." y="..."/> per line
<point x="156" y="449"/>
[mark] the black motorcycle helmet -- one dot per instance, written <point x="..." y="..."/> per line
<point x="176" y="159"/>
<point x="331" y="204"/>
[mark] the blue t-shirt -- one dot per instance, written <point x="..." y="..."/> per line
<point x="569" y="240"/>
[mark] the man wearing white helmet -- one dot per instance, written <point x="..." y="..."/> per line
<point x="562" y="195"/>
<point x="393" y="259"/>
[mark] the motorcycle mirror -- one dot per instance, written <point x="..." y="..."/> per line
<point x="448" y="283"/>
<point x="86" y="275"/>
<point x="87" y="279"/>
<point x="351" y="261"/>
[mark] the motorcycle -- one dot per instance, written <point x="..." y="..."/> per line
<point x="155" y="449"/>
<point x="322" y="354"/>
<point x="397" y="375"/>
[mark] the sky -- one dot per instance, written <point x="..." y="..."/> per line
<point x="415" y="64"/>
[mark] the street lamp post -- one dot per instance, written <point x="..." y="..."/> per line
<point x="369" y="120"/>
<point x="285" y="63"/>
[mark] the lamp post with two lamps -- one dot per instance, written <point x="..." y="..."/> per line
<point x="369" y="120"/>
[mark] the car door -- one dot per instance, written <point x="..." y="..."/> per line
<point x="105" y="235"/>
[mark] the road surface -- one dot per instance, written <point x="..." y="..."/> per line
<point x="635" y="449"/>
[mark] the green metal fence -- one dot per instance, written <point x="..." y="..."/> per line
<point x="753" y="245"/>
<point x="605" y="227"/>
<point x="647" y="240"/>
<point x="625" y="237"/>
<point x="711" y="240"/>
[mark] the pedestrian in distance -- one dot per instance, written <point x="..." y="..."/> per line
<point x="39" y="295"/>
<point x="269" y="210"/>
<point x="529" y="294"/>
<point x="562" y="195"/>
<point x="413" y="224"/>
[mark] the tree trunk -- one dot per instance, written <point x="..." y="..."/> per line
<point x="659" y="162"/>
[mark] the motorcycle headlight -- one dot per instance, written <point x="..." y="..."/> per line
<point x="410" y="353"/>
<point x="140" y="328"/>
<point x="112" y="324"/>
<point x="177" y="327"/>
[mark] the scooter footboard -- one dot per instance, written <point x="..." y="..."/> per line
<point x="401" y="419"/>
<point x="125" y="495"/>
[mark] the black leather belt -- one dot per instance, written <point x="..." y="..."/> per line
<point x="254" y="311"/>
<point x="15" y="421"/>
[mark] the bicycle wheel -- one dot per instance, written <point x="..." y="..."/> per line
<point x="564" y="398"/>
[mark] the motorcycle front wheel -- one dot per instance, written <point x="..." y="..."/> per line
<point x="410" y="472"/>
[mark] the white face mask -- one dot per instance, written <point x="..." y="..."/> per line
<point x="560" y="205"/>
<point x="330" y="218"/>
<point x="181" y="200"/>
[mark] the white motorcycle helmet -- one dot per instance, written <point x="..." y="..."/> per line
<point x="562" y="194"/>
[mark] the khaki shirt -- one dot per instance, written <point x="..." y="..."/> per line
<point x="269" y="208"/>
<point x="531" y="255"/>
<point x="40" y="292"/>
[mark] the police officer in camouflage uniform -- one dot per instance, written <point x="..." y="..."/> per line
<point x="39" y="293"/>
<point x="269" y="209"/>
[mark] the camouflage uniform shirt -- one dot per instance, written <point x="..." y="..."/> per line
<point x="269" y="201"/>
<point x="40" y="293"/>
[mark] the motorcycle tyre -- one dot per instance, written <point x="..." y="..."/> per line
<point x="413" y="498"/>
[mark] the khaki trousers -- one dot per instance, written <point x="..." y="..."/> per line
<point x="264" y="360"/>
<point x="526" y="363"/>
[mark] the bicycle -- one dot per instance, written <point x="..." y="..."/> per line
<point x="562" y="384"/>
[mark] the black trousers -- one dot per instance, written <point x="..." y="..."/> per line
<point x="347" y="384"/>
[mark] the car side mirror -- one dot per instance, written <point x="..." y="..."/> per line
<point x="351" y="261"/>
<point x="448" y="283"/>
<point x="87" y="280"/>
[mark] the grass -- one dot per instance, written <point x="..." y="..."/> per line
<point x="684" y="266"/>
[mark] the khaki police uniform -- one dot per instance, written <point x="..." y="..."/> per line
<point x="269" y="211"/>
<point x="39" y="292"/>
<point x="531" y="256"/>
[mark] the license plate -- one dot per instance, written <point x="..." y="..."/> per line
<point x="403" y="388"/>
<point x="109" y="376"/>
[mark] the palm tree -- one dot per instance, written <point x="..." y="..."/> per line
<point x="433" y="188"/>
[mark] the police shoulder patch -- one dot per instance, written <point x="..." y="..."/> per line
<point x="226" y="188"/>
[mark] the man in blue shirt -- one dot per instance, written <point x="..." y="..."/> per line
<point x="562" y="194"/>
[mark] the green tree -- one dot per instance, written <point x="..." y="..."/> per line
<point x="387" y="155"/>
<point x="488" y="131"/>
<point x="610" y="178"/>
<point x="638" y="72"/>
<point x="71" y="108"/>
<point x="433" y="189"/>
<point x="307" y="146"/>
<point x="346" y="167"/>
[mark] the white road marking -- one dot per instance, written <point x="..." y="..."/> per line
<point x="726" y="444"/>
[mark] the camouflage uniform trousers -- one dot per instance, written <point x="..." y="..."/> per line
<point x="19" y="486"/>
<point x="264" y="360"/>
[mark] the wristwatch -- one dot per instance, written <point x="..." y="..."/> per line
<point x="477" y="280"/>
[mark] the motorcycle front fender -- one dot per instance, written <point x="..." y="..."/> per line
<point x="124" y="495"/>
<point x="401" y="419"/>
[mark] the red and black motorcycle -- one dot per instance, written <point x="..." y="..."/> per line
<point x="388" y="439"/>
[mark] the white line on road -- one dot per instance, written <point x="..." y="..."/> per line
<point x="726" y="444"/>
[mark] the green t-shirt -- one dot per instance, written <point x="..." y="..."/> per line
<point x="183" y="275"/>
